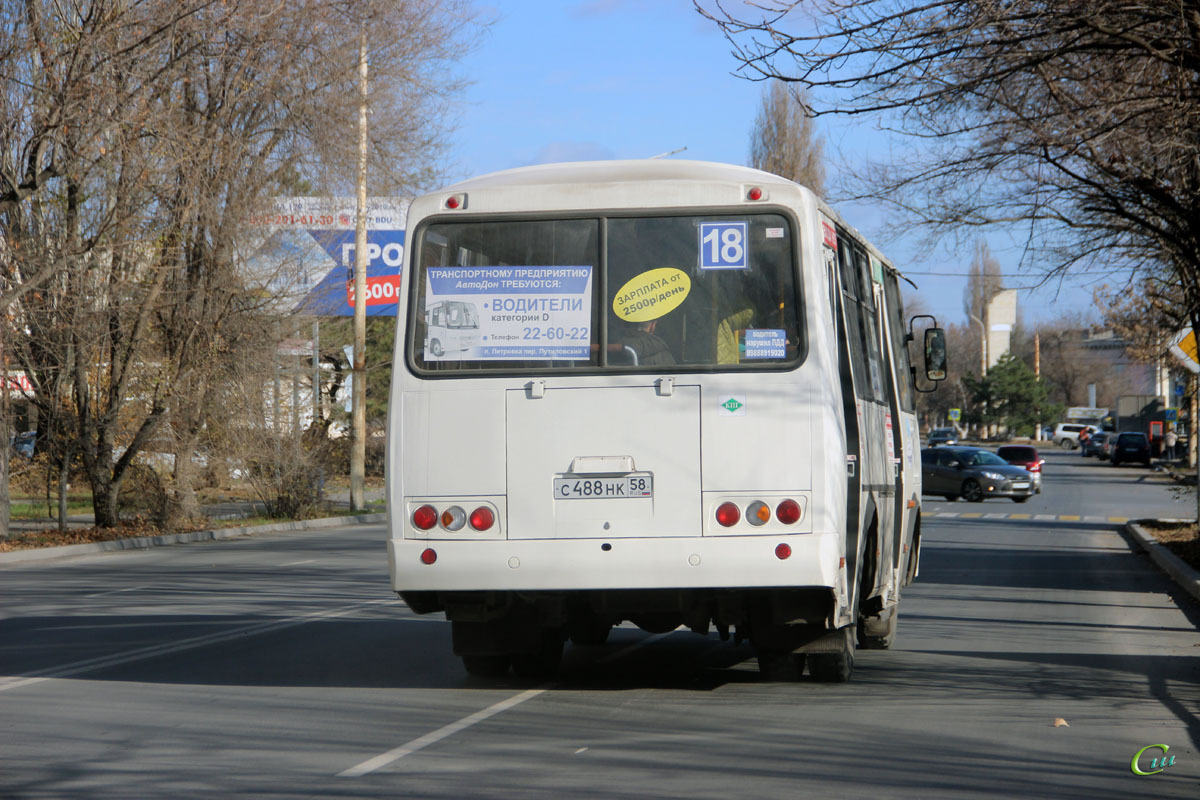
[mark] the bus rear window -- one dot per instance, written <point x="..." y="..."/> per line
<point x="620" y="293"/>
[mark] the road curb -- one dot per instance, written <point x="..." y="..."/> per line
<point x="1178" y="569"/>
<point x="144" y="542"/>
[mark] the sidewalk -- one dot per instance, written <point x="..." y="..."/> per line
<point x="228" y="510"/>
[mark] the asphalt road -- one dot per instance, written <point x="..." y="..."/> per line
<point x="278" y="666"/>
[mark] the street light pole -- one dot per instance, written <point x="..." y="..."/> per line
<point x="358" y="421"/>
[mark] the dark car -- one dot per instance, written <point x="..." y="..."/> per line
<point x="1023" y="455"/>
<point x="1130" y="447"/>
<point x="939" y="436"/>
<point x="973" y="474"/>
<point x="1094" y="445"/>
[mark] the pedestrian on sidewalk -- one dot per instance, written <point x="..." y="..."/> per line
<point x="1169" y="440"/>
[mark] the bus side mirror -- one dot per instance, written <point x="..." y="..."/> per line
<point x="935" y="354"/>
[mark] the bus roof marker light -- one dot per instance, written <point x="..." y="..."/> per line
<point x="456" y="201"/>
<point x="482" y="518"/>
<point x="755" y="193"/>
<point x="425" y="517"/>
<point x="728" y="515"/>
<point x="788" y="512"/>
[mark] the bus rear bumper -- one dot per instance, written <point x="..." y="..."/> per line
<point x="717" y="562"/>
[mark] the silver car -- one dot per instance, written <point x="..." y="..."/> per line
<point x="974" y="474"/>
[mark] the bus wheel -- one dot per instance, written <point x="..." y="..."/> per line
<point x="543" y="663"/>
<point x="833" y="667"/>
<point x="972" y="492"/>
<point x="436" y="348"/>
<point x="879" y="632"/>
<point x="486" y="666"/>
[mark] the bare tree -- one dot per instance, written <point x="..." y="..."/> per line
<point x="148" y="133"/>
<point x="1074" y="122"/>
<point x="784" y="140"/>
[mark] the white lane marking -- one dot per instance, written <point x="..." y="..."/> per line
<point x="1046" y="517"/>
<point x="142" y="653"/>
<point x="995" y="516"/>
<point x="115" y="591"/>
<point x="297" y="563"/>
<point x="395" y="754"/>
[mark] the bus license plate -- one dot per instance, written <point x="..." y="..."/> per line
<point x="635" y="486"/>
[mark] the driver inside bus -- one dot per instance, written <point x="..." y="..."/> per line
<point x="651" y="350"/>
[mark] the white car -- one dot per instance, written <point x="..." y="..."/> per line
<point x="1066" y="435"/>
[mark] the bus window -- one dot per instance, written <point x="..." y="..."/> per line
<point x="682" y="291"/>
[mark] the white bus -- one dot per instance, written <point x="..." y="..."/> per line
<point x="689" y="403"/>
<point x="451" y="326"/>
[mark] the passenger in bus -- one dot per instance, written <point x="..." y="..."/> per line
<point x="651" y="350"/>
<point x="728" y="349"/>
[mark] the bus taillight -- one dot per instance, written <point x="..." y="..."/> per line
<point x="758" y="513"/>
<point x="425" y="517"/>
<point x="783" y="551"/>
<point x="788" y="512"/>
<point x="453" y="518"/>
<point x="728" y="514"/>
<point x="482" y="518"/>
<point x="428" y="556"/>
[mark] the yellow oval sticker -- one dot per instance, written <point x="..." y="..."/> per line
<point x="653" y="294"/>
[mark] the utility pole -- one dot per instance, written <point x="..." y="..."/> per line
<point x="358" y="422"/>
<point x="1037" y="372"/>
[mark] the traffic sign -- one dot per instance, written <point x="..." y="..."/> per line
<point x="1183" y="347"/>
<point x="955" y="414"/>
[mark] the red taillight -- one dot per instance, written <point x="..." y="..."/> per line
<point x="1035" y="467"/>
<point x="428" y="556"/>
<point x="728" y="514"/>
<point x="425" y="517"/>
<point x="482" y="518"/>
<point x="788" y="512"/>
<point x="783" y="551"/>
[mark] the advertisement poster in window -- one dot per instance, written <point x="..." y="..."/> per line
<point x="507" y="313"/>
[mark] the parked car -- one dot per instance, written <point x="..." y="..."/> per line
<point x="1066" y="434"/>
<point x="1026" y="456"/>
<point x="1131" y="447"/>
<point x="1106" y="447"/>
<point x="24" y="444"/>
<point x="941" y="436"/>
<point x="1094" y="444"/>
<point x="973" y="474"/>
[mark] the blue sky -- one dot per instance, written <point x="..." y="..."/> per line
<point x="570" y="80"/>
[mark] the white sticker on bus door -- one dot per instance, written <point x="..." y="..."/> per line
<point x="733" y="405"/>
<point x="508" y="313"/>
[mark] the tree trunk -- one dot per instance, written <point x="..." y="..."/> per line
<point x="183" y="507"/>
<point x="64" y="476"/>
